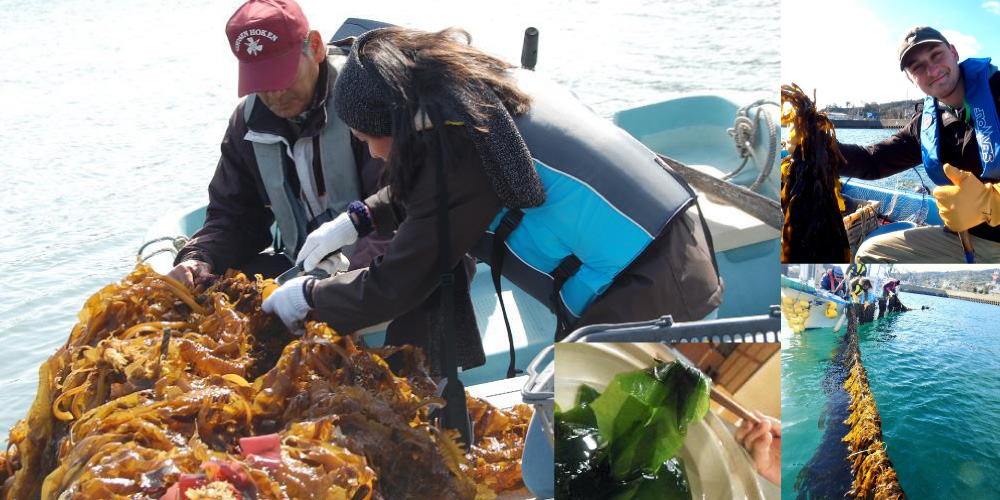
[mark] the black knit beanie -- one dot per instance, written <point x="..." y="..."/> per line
<point x="361" y="97"/>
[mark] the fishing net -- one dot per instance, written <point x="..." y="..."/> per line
<point x="164" y="394"/>
<point x="898" y="198"/>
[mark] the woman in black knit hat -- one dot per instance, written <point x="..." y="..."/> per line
<point x="502" y="164"/>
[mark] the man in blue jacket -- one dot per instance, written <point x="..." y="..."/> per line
<point x="957" y="138"/>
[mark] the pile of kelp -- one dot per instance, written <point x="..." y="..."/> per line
<point x="874" y="477"/>
<point x="813" y="229"/>
<point x="165" y="394"/>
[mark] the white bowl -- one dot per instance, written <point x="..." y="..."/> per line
<point x="717" y="466"/>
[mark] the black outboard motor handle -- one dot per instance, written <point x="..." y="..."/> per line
<point x="529" y="51"/>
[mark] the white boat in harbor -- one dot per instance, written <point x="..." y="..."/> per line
<point x="804" y="303"/>
<point x="806" y="307"/>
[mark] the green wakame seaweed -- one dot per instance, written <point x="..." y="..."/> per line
<point x="621" y="444"/>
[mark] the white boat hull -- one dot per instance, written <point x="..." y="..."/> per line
<point x="818" y="305"/>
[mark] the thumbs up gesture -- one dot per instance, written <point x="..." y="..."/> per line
<point x="968" y="202"/>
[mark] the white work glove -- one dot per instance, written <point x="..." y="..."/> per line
<point x="327" y="238"/>
<point x="289" y="303"/>
<point x="334" y="264"/>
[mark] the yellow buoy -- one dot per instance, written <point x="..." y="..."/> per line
<point x="803" y="303"/>
<point x="831" y="313"/>
<point x="787" y="301"/>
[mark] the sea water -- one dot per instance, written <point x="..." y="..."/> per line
<point x="935" y="376"/>
<point x="113" y="110"/>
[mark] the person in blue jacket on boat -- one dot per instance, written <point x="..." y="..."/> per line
<point x="957" y="139"/>
<point x="503" y="164"/>
<point x="833" y="281"/>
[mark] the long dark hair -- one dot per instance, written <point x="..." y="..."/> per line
<point x="434" y="73"/>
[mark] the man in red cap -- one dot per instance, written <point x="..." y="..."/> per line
<point x="285" y="159"/>
<point x="288" y="159"/>
<point x="280" y="156"/>
<point x="267" y="37"/>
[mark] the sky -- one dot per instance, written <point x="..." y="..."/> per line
<point x="846" y="50"/>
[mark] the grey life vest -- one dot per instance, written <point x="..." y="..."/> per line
<point x="274" y="155"/>
<point x="607" y="200"/>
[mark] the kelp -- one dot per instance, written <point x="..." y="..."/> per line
<point x="495" y="458"/>
<point x="891" y="305"/>
<point x="813" y="230"/>
<point x="622" y="443"/>
<point x="161" y="392"/>
<point x="874" y="477"/>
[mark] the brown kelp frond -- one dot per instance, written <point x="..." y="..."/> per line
<point x="813" y="230"/>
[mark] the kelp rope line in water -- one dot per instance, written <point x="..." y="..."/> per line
<point x="874" y="477"/>
<point x="890" y="305"/>
<point x="813" y="230"/>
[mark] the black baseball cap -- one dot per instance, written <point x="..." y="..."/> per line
<point x="916" y="36"/>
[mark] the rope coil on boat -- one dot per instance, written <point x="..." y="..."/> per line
<point x="860" y="224"/>
<point x="176" y="244"/>
<point x="744" y="134"/>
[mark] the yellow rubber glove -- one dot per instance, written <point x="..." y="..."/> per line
<point x="968" y="203"/>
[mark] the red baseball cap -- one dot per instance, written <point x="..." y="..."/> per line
<point x="266" y="36"/>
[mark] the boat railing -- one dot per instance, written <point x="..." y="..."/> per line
<point x="760" y="328"/>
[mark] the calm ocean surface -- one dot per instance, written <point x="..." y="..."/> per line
<point x="863" y="136"/>
<point x="934" y="375"/>
<point x="113" y="111"/>
<point x="904" y="180"/>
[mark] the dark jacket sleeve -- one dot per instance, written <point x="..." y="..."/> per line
<point x="386" y="215"/>
<point x="409" y="270"/>
<point x="237" y="221"/>
<point x="891" y="156"/>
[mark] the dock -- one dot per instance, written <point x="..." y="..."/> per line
<point x="894" y="123"/>
<point x="954" y="294"/>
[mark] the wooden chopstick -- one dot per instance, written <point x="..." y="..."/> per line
<point x="731" y="405"/>
<point x="718" y="396"/>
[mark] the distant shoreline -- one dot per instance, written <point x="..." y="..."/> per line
<point x="953" y="294"/>
<point x="869" y="124"/>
